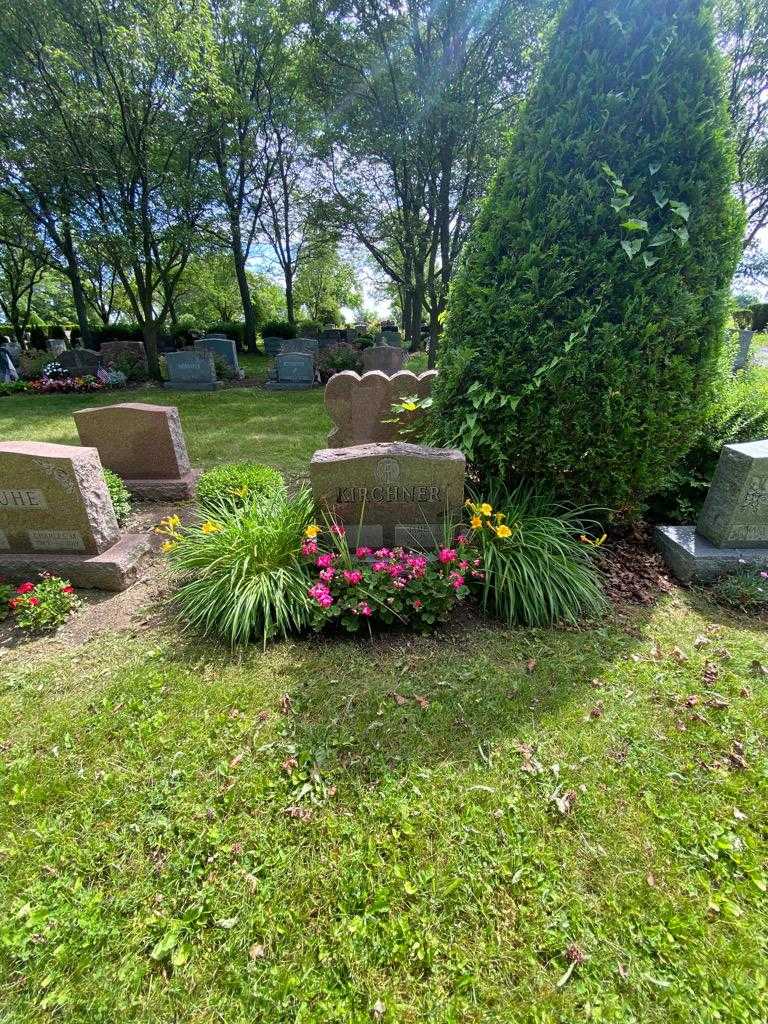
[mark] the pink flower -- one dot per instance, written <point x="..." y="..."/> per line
<point x="67" y="590"/>
<point x="325" y="561"/>
<point x="353" y="576"/>
<point x="380" y="566"/>
<point x="363" y="552"/>
<point x="446" y="555"/>
<point x="309" y="547"/>
<point x="461" y="539"/>
<point x="33" y="600"/>
<point x="383" y="553"/>
<point x="418" y="604"/>
<point x="457" y="580"/>
<point x="476" y="562"/>
<point x="321" y="594"/>
<point x="394" y="569"/>
<point x="365" y="609"/>
<point x="399" y="583"/>
<point x="327" y="574"/>
<point x="338" y="531"/>
<point x="464" y="565"/>
<point x="764" y="575"/>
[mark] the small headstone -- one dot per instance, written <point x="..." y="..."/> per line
<point x="272" y="345"/>
<point x="144" y="444"/>
<point x="294" y="371"/>
<point x="330" y="336"/>
<point x="309" y="345"/>
<point x="361" y="407"/>
<point x="390" y="494"/>
<point x="56" y="516"/>
<point x="391" y="338"/>
<point x="111" y="351"/>
<point x="80" y="361"/>
<point x="383" y="357"/>
<point x="191" y="371"/>
<point x="745" y="343"/>
<point x="222" y="347"/>
<point x="732" y="530"/>
<point x="56" y="346"/>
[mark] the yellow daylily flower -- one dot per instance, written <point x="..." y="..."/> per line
<point x="475" y="522"/>
<point x="409" y="406"/>
<point x="312" y="531"/>
<point x="210" y="527"/>
<point x="241" y="492"/>
<point x="486" y="509"/>
<point x="502" y="530"/>
<point x="171" y="521"/>
<point x="169" y="546"/>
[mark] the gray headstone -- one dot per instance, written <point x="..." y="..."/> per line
<point x="191" y="371"/>
<point x="295" y="368"/>
<point x="735" y="513"/>
<point x="401" y="493"/>
<point x="691" y="556"/>
<point x="222" y="347"/>
<point x="386" y="358"/>
<point x="56" y="346"/>
<point x="308" y="345"/>
<point x="742" y="356"/>
<point x="79" y="360"/>
<point x="273" y="345"/>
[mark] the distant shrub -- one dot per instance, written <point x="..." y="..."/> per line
<point x="131" y="366"/>
<point x="238" y="483"/>
<point x="416" y="362"/>
<point x="742" y="318"/>
<point x="224" y="370"/>
<point x="233" y="329"/>
<point x="337" y="358"/>
<point x="278" y="329"/>
<point x="760" y="316"/>
<point x="119" y="495"/>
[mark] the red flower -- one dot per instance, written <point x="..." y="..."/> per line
<point x="67" y="590"/>
<point x="33" y="600"/>
<point x="24" y="588"/>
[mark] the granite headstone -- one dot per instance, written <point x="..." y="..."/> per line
<point x="361" y="407"/>
<point x="191" y="371"/>
<point x="294" y="371"/>
<point x="386" y="358"/>
<point x="224" y="348"/>
<point x="79" y="361"/>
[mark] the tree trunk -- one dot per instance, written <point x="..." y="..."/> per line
<point x="76" y="283"/>
<point x="150" y="343"/>
<point x="249" y="330"/>
<point x="289" y="295"/>
<point x="434" y="333"/>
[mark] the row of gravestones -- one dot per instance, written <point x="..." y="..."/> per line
<point x="55" y="511"/>
<point x="295" y="365"/>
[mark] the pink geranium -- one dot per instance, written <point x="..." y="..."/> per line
<point x="353" y="576"/>
<point x="363" y="552"/>
<point x="321" y="594"/>
<point x="383" y="553"/>
<point x="326" y="575"/>
<point x="325" y="561"/>
<point x="309" y="547"/>
<point x="380" y="566"/>
<point x="365" y="609"/>
<point x="338" y="531"/>
<point x="446" y="556"/>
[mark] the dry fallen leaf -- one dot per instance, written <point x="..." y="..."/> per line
<point x="530" y="665"/>
<point x="745" y="692"/>
<point x="564" y="803"/>
<point x="739" y="815"/>
<point x="718" y="702"/>
<point x="421" y="701"/>
<point x="378" y="1010"/>
<point x="650" y="880"/>
<point x="623" y="972"/>
<point x="289" y="765"/>
<point x="286" y="704"/>
<point x="597" y="710"/>
<point x="656" y="652"/>
<point x="757" y="668"/>
<point x="399" y="699"/>
<point x="723" y="653"/>
<point x="692" y="700"/>
<point x="257" y="951"/>
<point x="300" y="813"/>
<point x="710" y="672"/>
<point x="700" y="641"/>
<point x="678" y="655"/>
<point x="237" y="759"/>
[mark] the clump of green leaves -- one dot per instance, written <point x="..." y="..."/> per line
<point x="119" y="495"/>
<point x="239" y="483"/>
<point x="40" y="607"/>
<point x="745" y="589"/>
<point x="240" y="573"/>
<point x="584" y="323"/>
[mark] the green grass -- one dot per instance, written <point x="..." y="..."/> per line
<point x="151" y="869"/>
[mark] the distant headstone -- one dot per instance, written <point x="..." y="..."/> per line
<point x="56" y="346"/>
<point x="111" y="351"/>
<point x="272" y="345"/>
<point x="56" y="516"/>
<point x="745" y="343"/>
<point x="390" y="494"/>
<point x="191" y="371"/>
<point x="80" y="361"/>
<point x="144" y="444"/>
<point x="361" y="407"/>
<point x="732" y="530"/>
<point x="309" y="345"/>
<point x="391" y="338"/>
<point x="383" y="357"/>
<point x="222" y="347"/>
<point x="330" y="336"/>
<point x="294" y="371"/>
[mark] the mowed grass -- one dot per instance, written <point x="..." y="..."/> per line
<point x="406" y="830"/>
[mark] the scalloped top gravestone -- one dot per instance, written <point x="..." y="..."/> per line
<point x="56" y="516"/>
<point x="144" y="444"/>
<point x="361" y="407"/>
<point x="732" y="530"/>
<point x="390" y="494"/>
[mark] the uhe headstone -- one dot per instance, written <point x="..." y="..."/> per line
<point x="390" y="494"/>
<point x="361" y="407"/>
<point x="56" y="516"/>
<point x="144" y="444"/>
<point x="732" y="530"/>
<point x="191" y="371"/>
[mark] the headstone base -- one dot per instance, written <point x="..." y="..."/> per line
<point x="191" y="385"/>
<point x="692" y="557"/>
<point x="171" y="489"/>
<point x="117" y="568"/>
<point x="276" y="385"/>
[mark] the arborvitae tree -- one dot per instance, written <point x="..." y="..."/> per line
<point x="585" y="321"/>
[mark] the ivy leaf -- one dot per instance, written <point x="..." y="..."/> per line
<point x="635" y="225"/>
<point x="631" y="248"/>
<point x="661" y="197"/>
<point x="681" y="209"/>
<point x="649" y="260"/>
<point x="621" y="203"/>
<point x="654" y="168"/>
<point x="682" y="234"/>
<point x="661" y="238"/>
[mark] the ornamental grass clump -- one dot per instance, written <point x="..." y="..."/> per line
<point x="537" y="559"/>
<point x="240" y="568"/>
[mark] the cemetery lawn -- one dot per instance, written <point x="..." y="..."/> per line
<point x="471" y="814"/>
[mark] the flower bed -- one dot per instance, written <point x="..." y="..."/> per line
<point x="38" y="607"/>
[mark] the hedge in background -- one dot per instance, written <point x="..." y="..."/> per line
<point x="585" y="321"/>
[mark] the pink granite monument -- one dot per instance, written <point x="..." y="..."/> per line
<point x="361" y="407"/>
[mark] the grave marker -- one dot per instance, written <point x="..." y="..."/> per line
<point x="144" y="444"/>
<point x="390" y="494"/>
<point x="361" y="407"/>
<point x="56" y="516"/>
<point x="191" y="371"/>
<point x="224" y="348"/>
<point x="385" y="358"/>
<point x="294" y="371"/>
